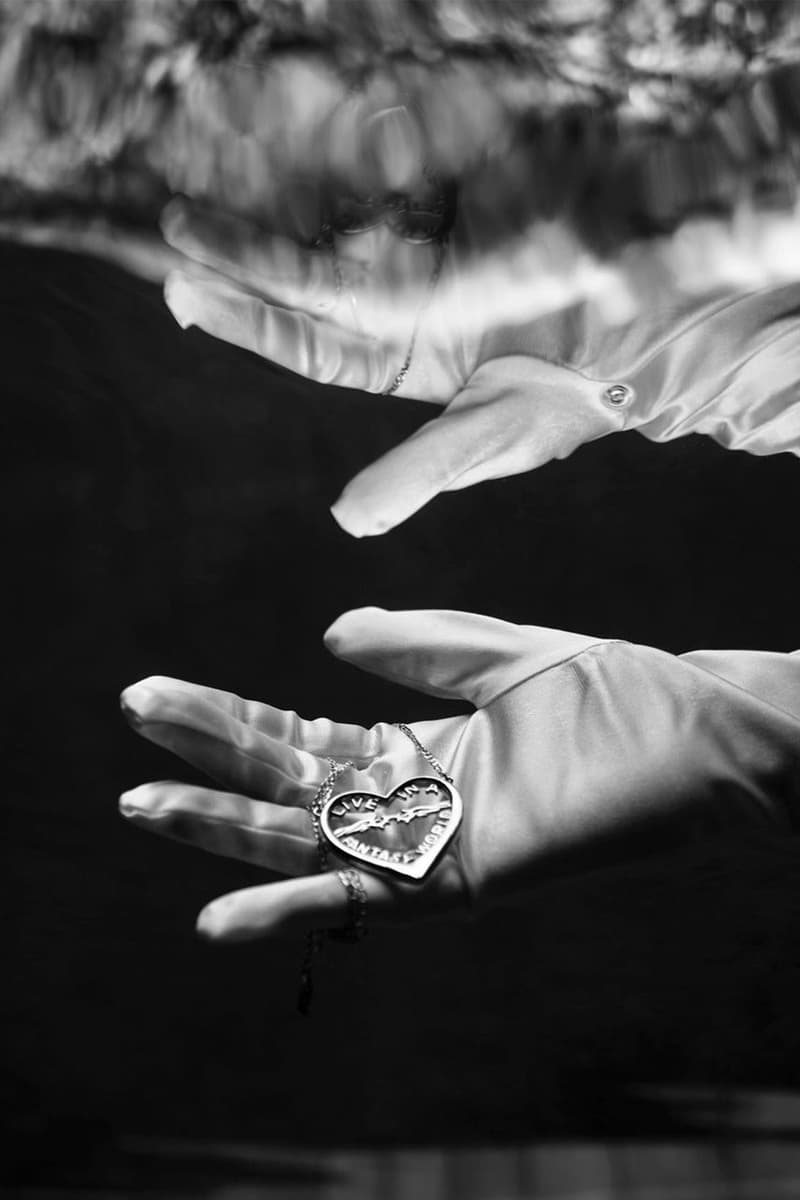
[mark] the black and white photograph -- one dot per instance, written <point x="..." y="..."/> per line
<point x="402" y="506"/>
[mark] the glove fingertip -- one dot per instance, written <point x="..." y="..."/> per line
<point x="217" y="922"/>
<point x="350" y="520"/>
<point x="129" y="713"/>
<point x="347" y="631"/>
<point x="173" y="218"/>
<point x="393" y="488"/>
<point x="178" y="298"/>
<point x="207" y="926"/>
<point x="128" y="803"/>
<point x="358" y="521"/>
<point x="138" y="701"/>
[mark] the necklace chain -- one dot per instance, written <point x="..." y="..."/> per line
<point x="315" y="938"/>
<point x="328" y="236"/>
<point x="425" y="752"/>
<point x="319" y="802"/>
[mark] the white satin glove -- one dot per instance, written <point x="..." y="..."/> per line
<point x="579" y="751"/>
<point x="527" y="348"/>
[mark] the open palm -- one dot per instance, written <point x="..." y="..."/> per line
<point x="578" y="751"/>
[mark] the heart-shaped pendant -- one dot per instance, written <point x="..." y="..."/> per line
<point x="404" y="832"/>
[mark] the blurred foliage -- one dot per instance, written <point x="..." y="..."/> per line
<point x="624" y="114"/>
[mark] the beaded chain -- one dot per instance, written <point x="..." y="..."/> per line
<point x="356" y="926"/>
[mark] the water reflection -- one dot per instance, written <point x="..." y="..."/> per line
<point x="726" y="1168"/>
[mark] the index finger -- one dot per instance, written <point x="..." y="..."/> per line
<point x="293" y="338"/>
<point x="320" y="736"/>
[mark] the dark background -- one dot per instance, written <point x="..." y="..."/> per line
<point x="168" y="502"/>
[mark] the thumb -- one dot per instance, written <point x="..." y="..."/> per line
<point x="515" y="413"/>
<point x="451" y="654"/>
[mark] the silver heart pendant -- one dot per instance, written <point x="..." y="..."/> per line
<point x="404" y="832"/>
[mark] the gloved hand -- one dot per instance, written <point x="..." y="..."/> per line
<point x="579" y="751"/>
<point x="516" y="345"/>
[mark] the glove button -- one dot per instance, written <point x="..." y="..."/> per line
<point x="618" y="395"/>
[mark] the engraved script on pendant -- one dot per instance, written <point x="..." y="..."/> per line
<point x="404" y="832"/>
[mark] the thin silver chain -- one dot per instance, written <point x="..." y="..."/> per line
<point x="329" y="237"/>
<point x="356" y="896"/>
<point x="356" y="927"/>
<point x="441" y="247"/>
<point x="320" y="800"/>
<point x="315" y="938"/>
<point x="426" y="754"/>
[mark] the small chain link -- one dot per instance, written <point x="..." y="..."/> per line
<point x="441" y="247"/>
<point x="318" y="803"/>
<point x="328" y="237"/>
<point x="315" y="938"/>
<point x="356" y="927"/>
<point x="349" y="878"/>
<point x="426" y="754"/>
